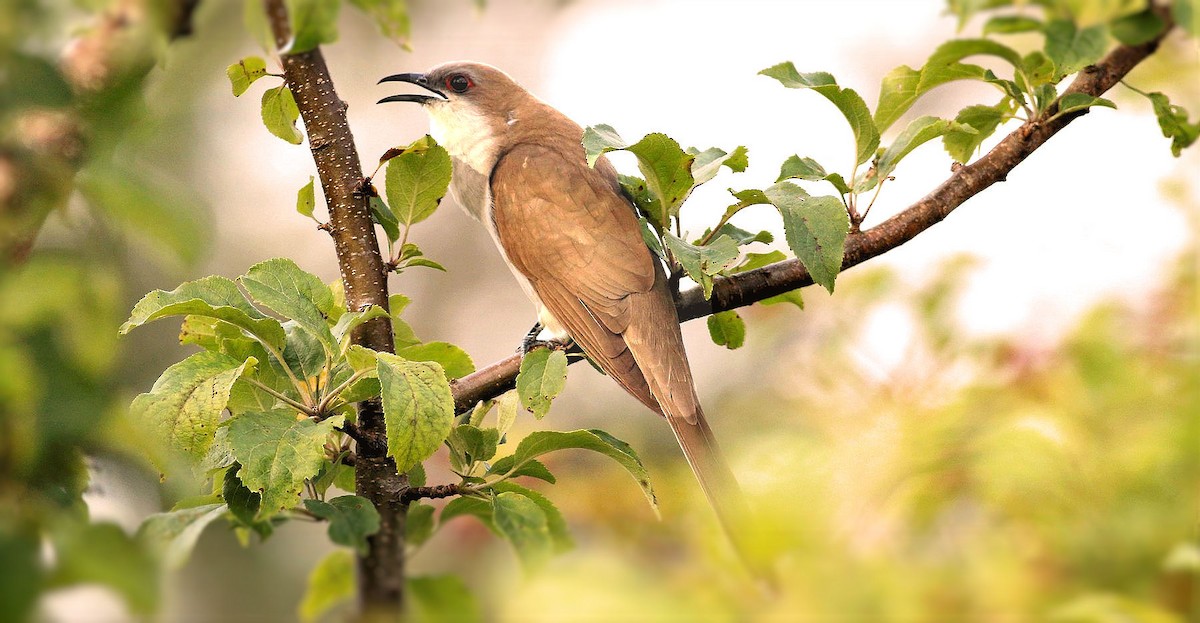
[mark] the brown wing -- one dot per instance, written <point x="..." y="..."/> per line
<point x="575" y="237"/>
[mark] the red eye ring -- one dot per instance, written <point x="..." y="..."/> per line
<point x="459" y="83"/>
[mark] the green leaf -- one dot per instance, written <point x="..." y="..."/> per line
<point x="306" y="198"/>
<point x="793" y="298"/>
<point x="703" y="262"/>
<point x="314" y="22"/>
<point x="382" y="214"/>
<point x="984" y="120"/>
<point x="279" y="114"/>
<point x="278" y="452"/>
<point x="184" y="406"/>
<point x="476" y="444"/>
<point x="1072" y="102"/>
<point x="903" y="85"/>
<point x="560" y="536"/>
<point x="417" y="408"/>
<point x="477" y="507"/>
<point x="443" y="599"/>
<point x="344" y="329"/>
<point x="213" y="297"/>
<point x="507" y="406"/>
<point x="293" y="293"/>
<point x="727" y="329"/>
<point x="173" y="535"/>
<point x="102" y="553"/>
<point x="242" y="502"/>
<point x="1036" y="69"/>
<point x="1011" y="24"/>
<point x="534" y="469"/>
<point x="351" y="519"/>
<point x="391" y="16"/>
<point x="520" y="520"/>
<point x="454" y="360"/>
<point x="1072" y="49"/>
<point x="666" y="167"/>
<point x="709" y="162"/>
<point x="24" y="573"/>
<point x="402" y="333"/>
<point x="743" y="237"/>
<point x="816" y="229"/>
<point x="417" y="179"/>
<point x="1173" y="121"/>
<point x="541" y="442"/>
<point x="645" y="201"/>
<point x="866" y="134"/>
<point x="1137" y="28"/>
<point x="418" y="523"/>
<point x="918" y="131"/>
<point x="542" y="377"/>
<point x="801" y="168"/>
<point x="758" y="260"/>
<point x="244" y="72"/>
<point x="330" y="584"/>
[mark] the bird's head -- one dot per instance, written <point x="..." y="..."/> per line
<point x="461" y="87"/>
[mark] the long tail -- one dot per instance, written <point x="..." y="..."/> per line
<point x="713" y="473"/>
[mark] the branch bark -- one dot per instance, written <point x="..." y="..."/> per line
<point x="965" y="182"/>
<point x="381" y="569"/>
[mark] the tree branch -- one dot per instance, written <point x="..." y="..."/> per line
<point x="965" y="182"/>
<point x="381" y="569"/>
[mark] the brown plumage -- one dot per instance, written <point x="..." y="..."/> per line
<point x="573" y="239"/>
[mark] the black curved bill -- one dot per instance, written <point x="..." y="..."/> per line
<point x="411" y="78"/>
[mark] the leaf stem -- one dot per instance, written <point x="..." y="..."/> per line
<point x="333" y="393"/>
<point x="299" y="405"/>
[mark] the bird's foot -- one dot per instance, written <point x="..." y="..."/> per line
<point x="531" y="342"/>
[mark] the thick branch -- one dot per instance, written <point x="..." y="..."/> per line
<point x="966" y="182"/>
<point x="381" y="570"/>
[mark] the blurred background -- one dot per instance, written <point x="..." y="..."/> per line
<point x="995" y="422"/>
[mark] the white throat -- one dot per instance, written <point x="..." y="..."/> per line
<point x="470" y="138"/>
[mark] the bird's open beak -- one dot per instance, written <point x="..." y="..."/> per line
<point x="417" y="79"/>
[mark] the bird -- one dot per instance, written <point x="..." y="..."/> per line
<point x="572" y="238"/>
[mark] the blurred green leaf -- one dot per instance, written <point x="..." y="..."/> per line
<point x="282" y="286"/>
<point x="391" y="16"/>
<point x="1185" y="14"/>
<point x="242" y="502"/>
<point x="919" y="131"/>
<point x="279" y="114"/>
<point x="454" y="361"/>
<point x="417" y="179"/>
<point x="31" y="81"/>
<point x="1072" y="102"/>
<point x="243" y="73"/>
<point x="1137" y="28"/>
<point x="1105" y="608"/>
<point x="103" y="554"/>
<point x="382" y="214"/>
<point x="1011" y="24"/>
<point x="314" y="22"/>
<point x="330" y="584"/>
<point x="156" y="213"/>
<point x="418" y="523"/>
<point x="184" y="406"/>
<point x="523" y="522"/>
<point x="758" y="260"/>
<point x="442" y="599"/>
<point x="417" y="407"/>
<point x="727" y="329"/>
<point x="477" y="507"/>
<point x="173" y="535"/>
<point x="507" y="407"/>
<point x="278" y="452"/>
<point x="24" y="575"/>
<point x="709" y="162"/>
<point x="866" y="132"/>
<point x="351" y="519"/>
<point x="542" y="377"/>
<point x="816" y="229"/>
<point x="1072" y="49"/>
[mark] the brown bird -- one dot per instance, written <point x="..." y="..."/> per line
<point x="572" y="239"/>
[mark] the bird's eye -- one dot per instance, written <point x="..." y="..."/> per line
<point x="458" y="83"/>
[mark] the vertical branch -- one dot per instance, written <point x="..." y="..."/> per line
<point x="381" y="569"/>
